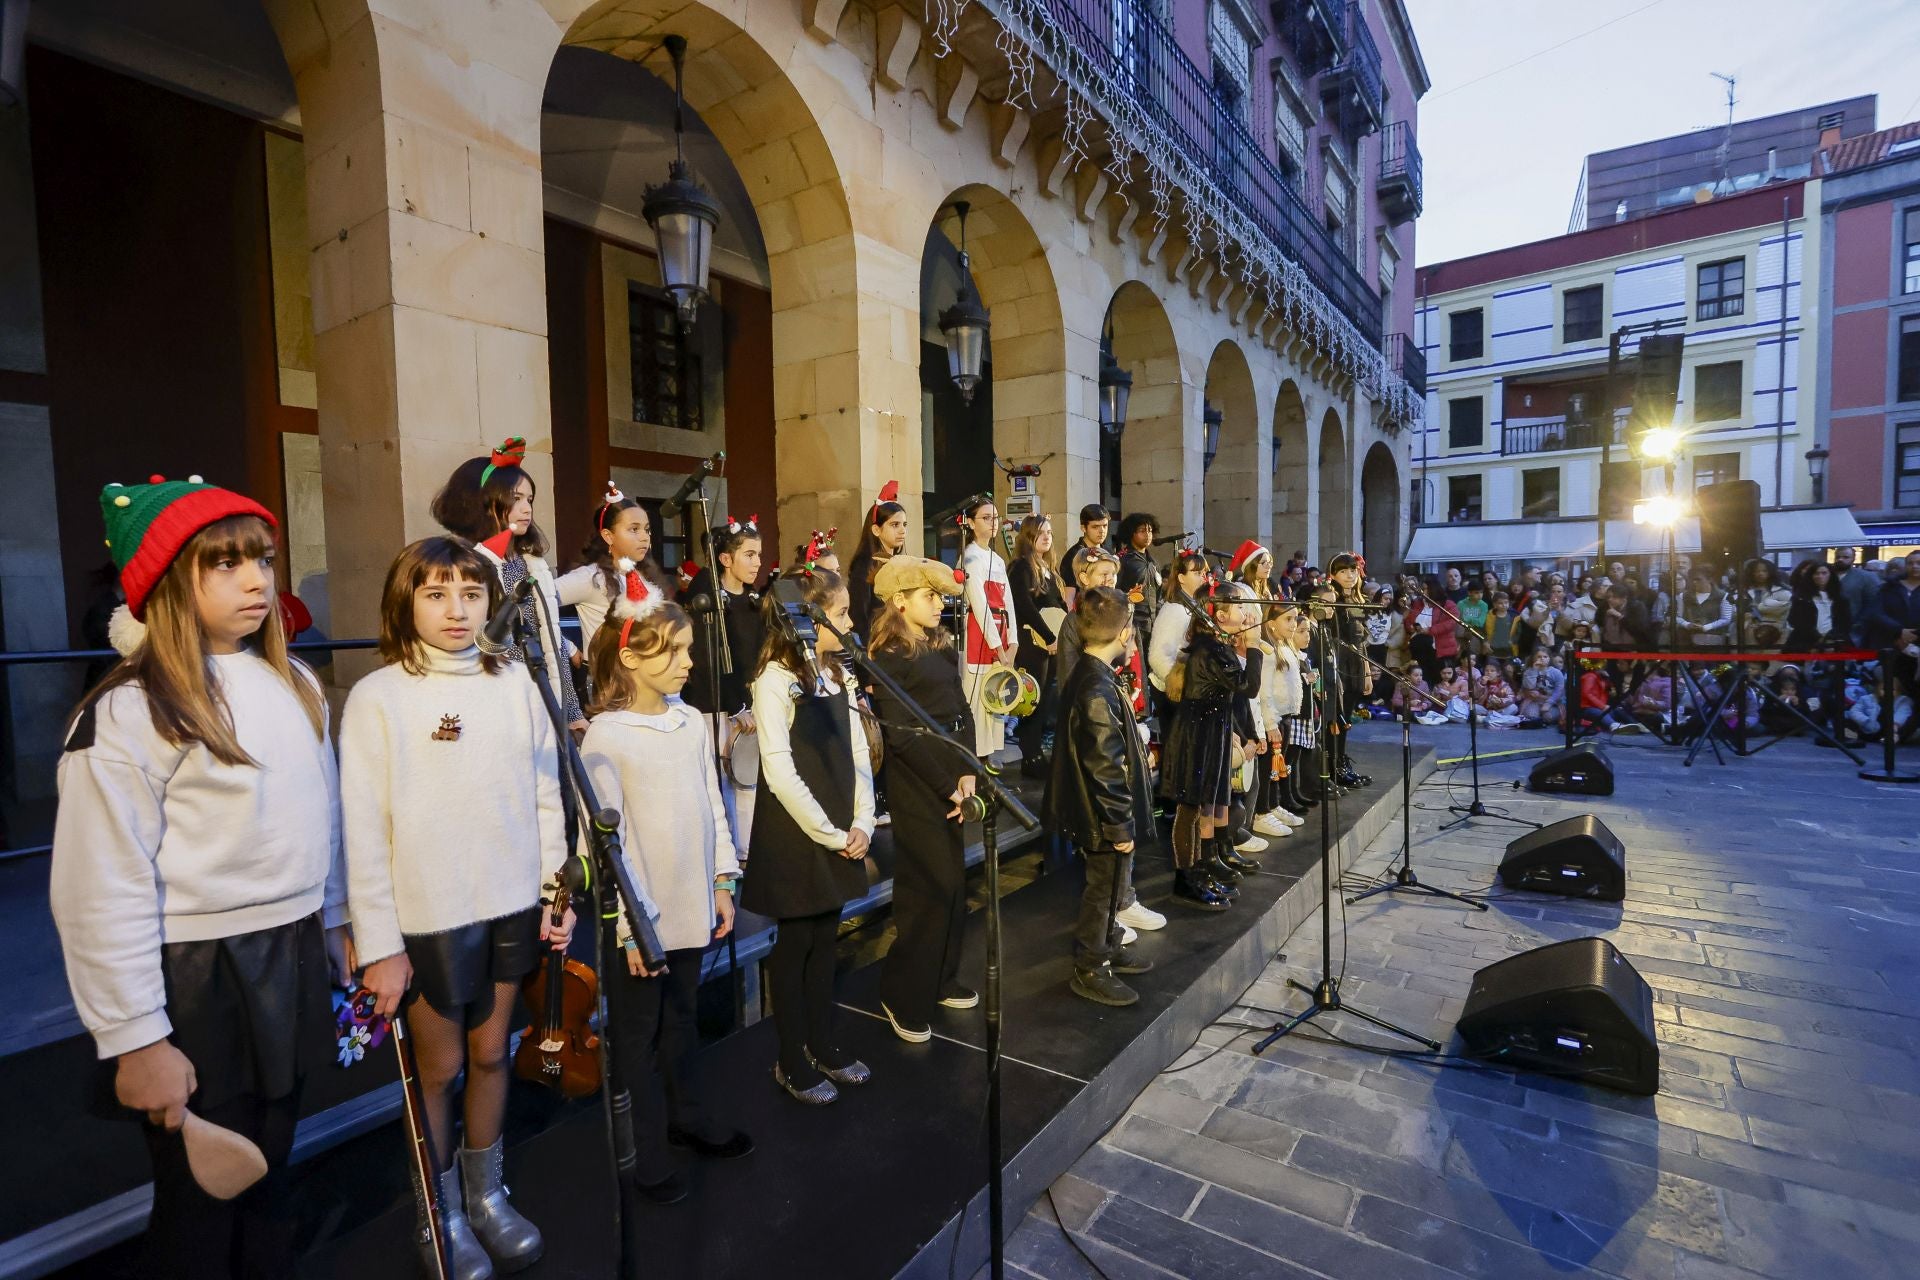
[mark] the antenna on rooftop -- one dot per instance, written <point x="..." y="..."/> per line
<point x="1726" y="139"/>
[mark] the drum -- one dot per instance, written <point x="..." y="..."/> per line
<point x="743" y="758"/>
<point x="1010" y="691"/>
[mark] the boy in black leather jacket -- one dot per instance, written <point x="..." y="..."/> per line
<point x="1098" y="795"/>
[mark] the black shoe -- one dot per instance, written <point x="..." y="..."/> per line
<point x="1101" y="987"/>
<point x="955" y="996"/>
<point x="1216" y="867"/>
<point x="1225" y="888"/>
<point x="1240" y="862"/>
<point x="1127" y="960"/>
<point x="731" y="1147"/>
<point x="671" y="1189"/>
<point x="1198" y="892"/>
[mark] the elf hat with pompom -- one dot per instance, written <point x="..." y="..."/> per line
<point x="148" y="524"/>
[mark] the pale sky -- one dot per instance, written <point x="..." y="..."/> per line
<point x="1502" y="143"/>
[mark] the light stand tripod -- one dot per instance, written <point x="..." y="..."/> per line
<point x="1474" y="808"/>
<point x="1739" y="687"/>
<point x="1404" y="880"/>
<point x="615" y="891"/>
<point x="984" y="806"/>
<point x="1326" y="993"/>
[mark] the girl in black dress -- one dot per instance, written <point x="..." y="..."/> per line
<point x="883" y="538"/>
<point x="930" y="783"/>
<point x="1196" y="767"/>
<point x="1037" y="604"/>
<point x="810" y="838"/>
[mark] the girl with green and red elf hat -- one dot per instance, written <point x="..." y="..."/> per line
<point x="196" y="878"/>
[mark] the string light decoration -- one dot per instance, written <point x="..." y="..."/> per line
<point x="1073" y="129"/>
<point x="945" y="24"/>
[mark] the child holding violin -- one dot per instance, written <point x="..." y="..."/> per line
<point x="450" y="805"/>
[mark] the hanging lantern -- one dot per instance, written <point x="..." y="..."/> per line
<point x="1210" y="420"/>
<point x="681" y="213"/>
<point x="965" y="323"/>
<point x="1116" y="384"/>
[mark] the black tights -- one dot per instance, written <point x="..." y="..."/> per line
<point x="474" y="1037"/>
<point x="800" y="975"/>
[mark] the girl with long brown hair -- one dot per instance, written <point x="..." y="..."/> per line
<point x="1038" y="610"/>
<point x="198" y="838"/>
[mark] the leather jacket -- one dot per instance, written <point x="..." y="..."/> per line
<point x="1098" y="793"/>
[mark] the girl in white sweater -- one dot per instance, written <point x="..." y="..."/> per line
<point x="809" y="846"/>
<point x="650" y="756"/>
<point x="450" y="799"/>
<point x="197" y="840"/>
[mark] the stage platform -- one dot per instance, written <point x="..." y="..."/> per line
<point x="890" y="1181"/>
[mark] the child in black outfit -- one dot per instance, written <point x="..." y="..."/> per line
<point x="1097" y="795"/>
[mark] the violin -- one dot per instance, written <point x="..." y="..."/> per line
<point x="560" y="1049"/>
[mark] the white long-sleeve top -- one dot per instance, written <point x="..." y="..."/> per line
<point x="774" y="692"/>
<point x="449" y="797"/>
<point x="155" y="843"/>
<point x="589" y="592"/>
<point x="659" y="771"/>
<point x="1167" y="641"/>
<point x="983" y="565"/>
<point x="1285" y="681"/>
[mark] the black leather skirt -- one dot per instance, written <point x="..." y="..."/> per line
<point x="455" y="970"/>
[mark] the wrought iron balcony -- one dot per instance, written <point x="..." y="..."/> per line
<point x="1145" y="62"/>
<point x="1399" y="185"/>
<point x="1354" y="87"/>
<point x="1314" y="29"/>
<point x="1554" y="435"/>
<point x="1408" y="361"/>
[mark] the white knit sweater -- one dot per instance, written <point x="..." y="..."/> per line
<point x="155" y="843"/>
<point x="659" y="772"/>
<point x="446" y="826"/>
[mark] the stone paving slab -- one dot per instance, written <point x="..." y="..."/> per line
<point x="1773" y="905"/>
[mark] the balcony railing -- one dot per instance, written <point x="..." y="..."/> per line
<point x="1399" y="185"/>
<point x="1145" y="62"/>
<point x="1314" y="29"/>
<point x="1355" y="83"/>
<point x="1552" y="435"/>
<point x="1406" y="359"/>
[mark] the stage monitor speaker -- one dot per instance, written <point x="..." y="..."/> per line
<point x="1574" y="1009"/>
<point x="1729" y="522"/>
<point x="1582" y="770"/>
<point x="1575" y="857"/>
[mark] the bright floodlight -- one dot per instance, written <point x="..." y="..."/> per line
<point x="1662" y="511"/>
<point x="1660" y="444"/>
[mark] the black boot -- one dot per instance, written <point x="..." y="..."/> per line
<point x="1225" y="878"/>
<point x="1193" y="888"/>
<point x="1239" y="861"/>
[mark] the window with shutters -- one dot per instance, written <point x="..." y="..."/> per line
<point x="1906" y="465"/>
<point x="1907" y="383"/>
<point x="666" y="369"/>
<point x="1722" y="289"/>
<point x="1580" y="316"/>
<point x="1466" y="335"/>
<point x="1716" y="392"/>
<point x="1466" y="423"/>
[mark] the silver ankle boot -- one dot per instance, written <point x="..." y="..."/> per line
<point x="469" y="1260"/>
<point x="511" y="1239"/>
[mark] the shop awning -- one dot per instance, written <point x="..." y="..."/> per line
<point x="1575" y="537"/>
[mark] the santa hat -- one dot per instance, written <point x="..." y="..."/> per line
<point x="1244" y="553"/>
<point x="148" y="524"/>
<point x="637" y="597"/>
<point x="613" y="499"/>
<point x="889" y="492"/>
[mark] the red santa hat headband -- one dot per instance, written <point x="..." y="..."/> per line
<point x="889" y="493"/>
<point x="636" y="600"/>
<point x="612" y="501"/>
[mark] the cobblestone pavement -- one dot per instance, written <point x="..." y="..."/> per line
<point x="1773" y="905"/>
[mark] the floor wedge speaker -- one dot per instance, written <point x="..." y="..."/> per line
<point x="1582" y="770"/>
<point x="1576" y="857"/>
<point x="1574" y="1009"/>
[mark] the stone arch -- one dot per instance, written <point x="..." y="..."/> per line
<point x="1380" y="510"/>
<point x="1232" y="484"/>
<point x="1292" y="474"/>
<point x="1019" y="412"/>
<point x="1154" y="449"/>
<point x="1335" y="490"/>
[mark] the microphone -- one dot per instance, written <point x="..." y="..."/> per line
<point x="792" y="600"/>
<point x="1213" y="551"/>
<point x="698" y="606"/>
<point x="691" y="485"/>
<point x="497" y="636"/>
<point x="1172" y="537"/>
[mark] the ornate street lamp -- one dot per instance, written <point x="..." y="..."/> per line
<point x="965" y="323"/>
<point x="1817" y="468"/>
<point x="680" y="211"/>
<point x="1116" y="384"/>
<point x="1210" y="420"/>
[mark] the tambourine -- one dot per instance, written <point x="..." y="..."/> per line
<point x="1010" y="691"/>
<point x="743" y="758"/>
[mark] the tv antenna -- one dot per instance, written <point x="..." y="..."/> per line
<point x="1726" y="139"/>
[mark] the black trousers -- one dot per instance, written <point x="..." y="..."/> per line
<point x="191" y="1234"/>
<point x="929" y="915"/>
<point x="653" y="1032"/>
<point x="1096" y="935"/>
<point x="800" y="976"/>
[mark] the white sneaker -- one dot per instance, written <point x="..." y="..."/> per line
<point x="1291" y="818"/>
<point x="1252" y="844"/>
<point x="1127" y="936"/>
<point x="1270" y="824"/>
<point x="1141" y="916"/>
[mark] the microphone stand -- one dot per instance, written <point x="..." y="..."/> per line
<point x="1404" y="879"/>
<point x="989" y="799"/>
<point x="1325" y="995"/>
<point x="719" y="662"/>
<point x="1475" y="809"/>
<point x="614" y="890"/>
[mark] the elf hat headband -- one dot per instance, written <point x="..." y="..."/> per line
<point x="636" y="600"/>
<point x="148" y="524"/>
<point x="889" y="493"/>
<point x="510" y="452"/>
<point x="818" y="545"/>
